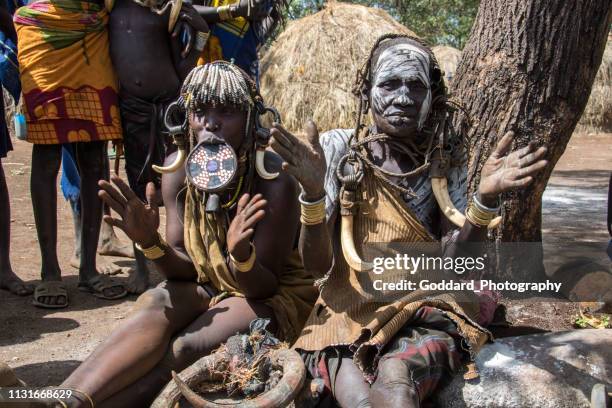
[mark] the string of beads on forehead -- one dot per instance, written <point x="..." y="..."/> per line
<point x="218" y="83"/>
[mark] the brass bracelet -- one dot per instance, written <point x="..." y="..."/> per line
<point x="247" y="265"/>
<point x="474" y="220"/>
<point x="225" y="13"/>
<point x="156" y="251"/>
<point x="478" y="217"/>
<point x="312" y="213"/>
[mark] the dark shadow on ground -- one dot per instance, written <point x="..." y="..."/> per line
<point x="21" y="321"/>
<point x="511" y="331"/>
<point x="51" y="373"/>
<point x="24" y="328"/>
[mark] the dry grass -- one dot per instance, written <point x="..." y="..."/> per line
<point x="309" y="71"/>
<point x="448" y="58"/>
<point x="597" y="116"/>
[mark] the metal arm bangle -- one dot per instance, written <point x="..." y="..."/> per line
<point x="247" y="265"/>
<point x="483" y="207"/>
<point x="156" y="251"/>
<point x="312" y="213"/>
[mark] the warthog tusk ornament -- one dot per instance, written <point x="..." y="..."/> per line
<point x="351" y="256"/>
<point x="178" y="162"/>
<point x="439" y="186"/>
<point x="260" y="166"/>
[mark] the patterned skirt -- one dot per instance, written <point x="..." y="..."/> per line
<point x="429" y="345"/>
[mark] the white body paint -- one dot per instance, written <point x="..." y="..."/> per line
<point x="406" y="62"/>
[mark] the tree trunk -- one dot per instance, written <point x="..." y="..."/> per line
<point x="528" y="67"/>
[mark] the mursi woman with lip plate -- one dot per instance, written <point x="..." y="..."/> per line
<point x="392" y="182"/>
<point x="230" y="252"/>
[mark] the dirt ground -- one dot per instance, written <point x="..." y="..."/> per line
<point x="45" y="345"/>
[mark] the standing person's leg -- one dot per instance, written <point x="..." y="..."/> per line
<point x="90" y="158"/>
<point x="8" y="279"/>
<point x="75" y="260"/>
<point x="136" y="141"/>
<point x="46" y="161"/>
<point x="70" y="184"/>
<point x="109" y="244"/>
<point x="139" y="343"/>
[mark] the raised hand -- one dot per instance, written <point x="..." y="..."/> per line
<point x="504" y="171"/>
<point x="139" y="221"/>
<point x="304" y="161"/>
<point x="249" y="212"/>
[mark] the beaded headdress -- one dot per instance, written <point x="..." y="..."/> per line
<point x="219" y="83"/>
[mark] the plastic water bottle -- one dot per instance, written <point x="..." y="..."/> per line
<point x="21" y="128"/>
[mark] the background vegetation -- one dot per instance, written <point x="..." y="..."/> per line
<point x="440" y="22"/>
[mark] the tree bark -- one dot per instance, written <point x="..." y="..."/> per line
<point x="528" y="67"/>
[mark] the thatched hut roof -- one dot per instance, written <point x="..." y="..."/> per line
<point x="309" y="71"/>
<point x="448" y="57"/>
<point x="597" y="115"/>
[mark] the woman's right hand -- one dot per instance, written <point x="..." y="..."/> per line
<point x="139" y="221"/>
<point x="304" y="161"/>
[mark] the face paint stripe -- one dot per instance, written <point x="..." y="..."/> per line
<point x="404" y="61"/>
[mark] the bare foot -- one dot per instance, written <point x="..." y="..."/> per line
<point x="112" y="269"/>
<point x="110" y="245"/>
<point x="106" y="269"/>
<point x="138" y="283"/>
<point x="13" y="283"/>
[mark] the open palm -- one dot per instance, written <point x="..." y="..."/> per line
<point x="304" y="161"/>
<point x="504" y="170"/>
<point x="139" y="221"/>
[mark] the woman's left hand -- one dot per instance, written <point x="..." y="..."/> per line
<point x="242" y="227"/>
<point x="504" y="170"/>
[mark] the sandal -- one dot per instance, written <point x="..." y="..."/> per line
<point x="53" y="289"/>
<point x="98" y="284"/>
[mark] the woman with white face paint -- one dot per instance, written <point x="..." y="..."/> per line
<point x="389" y="183"/>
